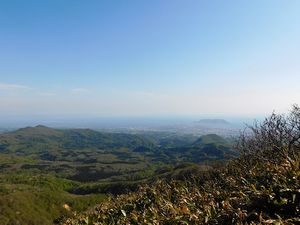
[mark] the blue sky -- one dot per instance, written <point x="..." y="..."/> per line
<point x="148" y="58"/>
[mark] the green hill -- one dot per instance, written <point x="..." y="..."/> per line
<point x="211" y="139"/>
<point x="36" y="137"/>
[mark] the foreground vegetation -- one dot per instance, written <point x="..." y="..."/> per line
<point x="262" y="186"/>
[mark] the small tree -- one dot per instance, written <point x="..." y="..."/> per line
<point x="274" y="140"/>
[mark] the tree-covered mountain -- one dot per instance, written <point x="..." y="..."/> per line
<point x="36" y="137"/>
<point x="204" y="149"/>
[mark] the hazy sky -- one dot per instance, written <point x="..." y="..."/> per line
<point x="149" y="58"/>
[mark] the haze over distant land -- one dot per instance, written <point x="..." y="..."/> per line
<point x="183" y="125"/>
<point x="155" y="59"/>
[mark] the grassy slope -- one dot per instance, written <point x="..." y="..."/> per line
<point x="267" y="195"/>
<point x="27" y="198"/>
